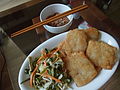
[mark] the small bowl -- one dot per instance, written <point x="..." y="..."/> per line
<point x="51" y="10"/>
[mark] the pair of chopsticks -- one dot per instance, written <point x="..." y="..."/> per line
<point x="46" y="21"/>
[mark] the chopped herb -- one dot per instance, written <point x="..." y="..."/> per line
<point x="27" y="71"/>
<point x="25" y="81"/>
<point x="50" y="73"/>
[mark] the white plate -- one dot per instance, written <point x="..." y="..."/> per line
<point x="95" y="84"/>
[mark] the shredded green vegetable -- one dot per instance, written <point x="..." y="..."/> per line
<point x="54" y="66"/>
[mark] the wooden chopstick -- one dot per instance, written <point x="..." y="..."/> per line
<point x="74" y="10"/>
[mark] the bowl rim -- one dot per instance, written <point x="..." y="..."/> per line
<point x="70" y="20"/>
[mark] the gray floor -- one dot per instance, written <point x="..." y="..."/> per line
<point x="28" y="41"/>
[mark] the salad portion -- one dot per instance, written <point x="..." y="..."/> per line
<point x="48" y="72"/>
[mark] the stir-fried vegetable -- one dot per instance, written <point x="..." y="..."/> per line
<point x="48" y="72"/>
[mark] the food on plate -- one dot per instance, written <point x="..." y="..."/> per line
<point x="47" y="72"/>
<point x="76" y="40"/>
<point x="61" y="45"/>
<point x="60" y="22"/>
<point x="80" y="56"/>
<point x="80" y="68"/>
<point x="101" y="54"/>
<point x="85" y="56"/>
<point x="92" y="33"/>
<point x="97" y="68"/>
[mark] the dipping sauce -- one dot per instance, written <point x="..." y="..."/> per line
<point x="59" y="22"/>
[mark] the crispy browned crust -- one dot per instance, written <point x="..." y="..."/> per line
<point x="62" y="48"/>
<point x="98" y="69"/>
<point x="76" y="40"/>
<point x="84" y="68"/>
<point x="101" y="54"/>
<point x="92" y="33"/>
<point x="80" y="68"/>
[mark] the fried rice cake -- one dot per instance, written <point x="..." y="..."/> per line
<point x="76" y="40"/>
<point x="61" y="45"/>
<point x="101" y="54"/>
<point x="80" y="68"/>
<point x="92" y="33"/>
